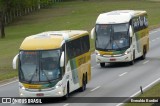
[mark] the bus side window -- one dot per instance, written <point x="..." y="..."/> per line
<point x="85" y="44"/>
<point x="70" y="49"/>
<point x="78" y="46"/>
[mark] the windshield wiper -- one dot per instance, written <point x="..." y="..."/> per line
<point x="21" y="73"/>
<point x="44" y="73"/>
<point x="110" y="40"/>
<point x="46" y="76"/>
<point x="35" y="72"/>
<point x="108" y="44"/>
<point x="117" y="46"/>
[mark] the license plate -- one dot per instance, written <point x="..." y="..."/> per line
<point x="39" y="94"/>
<point x="112" y="59"/>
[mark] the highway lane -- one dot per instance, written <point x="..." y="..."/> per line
<point x="121" y="80"/>
<point x="115" y="80"/>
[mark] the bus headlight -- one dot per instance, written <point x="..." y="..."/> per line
<point x="59" y="85"/>
<point x="21" y="87"/>
<point x="97" y="53"/>
<point x="127" y="52"/>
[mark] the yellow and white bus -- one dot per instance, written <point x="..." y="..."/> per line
<point x="53" y="63"/>
<point x="121" y="36"/>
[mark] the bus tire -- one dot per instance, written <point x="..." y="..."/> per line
<point x="102" y="64"/>
<point x="133" y="59"/>
<point x="144" y="53"/>
<point x="67" y="94"/>
<point x="86" y="78"/>
<point x="83" y="88"/>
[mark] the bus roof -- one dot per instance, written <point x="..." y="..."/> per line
<point x="50" y="39"/>
<point x="118" y="16"/>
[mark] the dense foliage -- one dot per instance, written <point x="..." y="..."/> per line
<point x="10" y="9"/>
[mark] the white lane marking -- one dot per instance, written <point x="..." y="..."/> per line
<point x="153" y="40"/>
<point x="153" y="32"/>
<point x="94" y="66"/>
<point x="96" y="88"/>
<point x="151" y="84"/>
<point x="66" y="105"/>
<point x="123" y="74"/>
<point x="8" y="83"/>
<point x="145" y="88"/>
<point x="120" y="104"/>
<point x="146" y="62"/>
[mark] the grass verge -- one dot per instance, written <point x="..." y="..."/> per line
<point x="153" y="92"/>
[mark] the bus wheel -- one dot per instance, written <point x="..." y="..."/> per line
<point x="86" y="78"/>
<point x="102" y="64"/>
<point x="83" y="88"/>
<point x="133" y="59"/>
<point x="144" y="54"/>
<point x="67" y="94"/>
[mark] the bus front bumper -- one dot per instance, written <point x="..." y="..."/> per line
<point x="50" y="93"/>
<point x="113" y="59"/>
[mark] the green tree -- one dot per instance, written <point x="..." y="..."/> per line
<point x="10" y="9"/>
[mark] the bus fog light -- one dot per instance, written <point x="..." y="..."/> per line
<point x="21" y="94"/>
<point x="59" y="93"/>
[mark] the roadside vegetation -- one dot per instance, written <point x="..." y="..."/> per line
<point x="64" y="16"/>
<point x="153" y="92"/>
<point x="13" y="9"/>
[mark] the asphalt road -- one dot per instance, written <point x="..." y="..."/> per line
<point x="115" y="80"/>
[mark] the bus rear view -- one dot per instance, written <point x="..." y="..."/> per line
<point x="121" y="36"/>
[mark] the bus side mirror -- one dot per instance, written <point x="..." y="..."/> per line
<point x="93" y="33"/>
<point x="130" y="31"/>
<point x="62" y="60"/>
<point x="14" y="63"/>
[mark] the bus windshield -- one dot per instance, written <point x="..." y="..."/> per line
<point x="39" y="66"/>
<point x="112" y="36"/>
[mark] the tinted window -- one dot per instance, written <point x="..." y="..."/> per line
<point x="140" y="23"/>
<point x="78" y="46"/>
